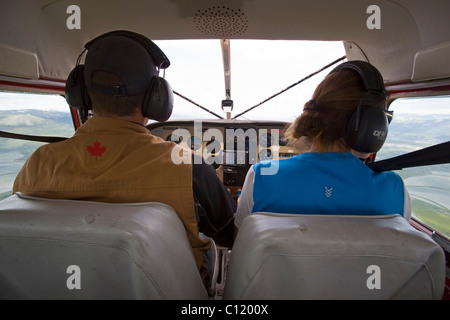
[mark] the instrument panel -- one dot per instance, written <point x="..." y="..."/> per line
<point x="231" y="146"/>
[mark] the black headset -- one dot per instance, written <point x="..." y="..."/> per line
<point x="367" y="127"/>
<point x="158" y="100"/>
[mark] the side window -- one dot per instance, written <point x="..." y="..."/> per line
<point x="420" y="123"/>
<point x="30" y="114"/>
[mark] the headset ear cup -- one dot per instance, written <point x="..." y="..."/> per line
<point x="75" y="91"/>
<point x="158" y="101"/>
<point x="367" y="129"/>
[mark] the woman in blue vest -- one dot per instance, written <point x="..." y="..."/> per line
<point x="344" y="123"/>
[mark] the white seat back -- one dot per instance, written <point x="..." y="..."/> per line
<point x="278" y="256"/>
<point x="110" y="251"/>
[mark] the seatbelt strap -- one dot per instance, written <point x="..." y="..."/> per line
<point x="437" y="154"/>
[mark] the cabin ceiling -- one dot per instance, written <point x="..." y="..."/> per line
<point x="412" y="44"/>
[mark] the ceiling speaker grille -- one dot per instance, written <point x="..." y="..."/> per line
<point x="221" y="21"/>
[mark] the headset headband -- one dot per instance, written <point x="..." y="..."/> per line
<point x="370" y="76"/>
<point x="158" y="56"/>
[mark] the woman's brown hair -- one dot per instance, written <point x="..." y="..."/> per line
<point x="325" y="117"/>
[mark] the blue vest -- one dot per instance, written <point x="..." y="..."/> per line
<point x="326" y="183"/>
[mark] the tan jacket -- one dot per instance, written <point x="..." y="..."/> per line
<point x="110" y="160"/>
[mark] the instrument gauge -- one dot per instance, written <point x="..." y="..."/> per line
<point x="266" y="140"/>
<point x="196" y="143"/>
<point x="265" y="154"/>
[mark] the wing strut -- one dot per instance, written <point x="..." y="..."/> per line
<point x="437" y="154"/>
<point x="227" y="104"/>
<point x="291" y="86"/>
<point x="4" y="134"/>
<point x="195" y="103"/>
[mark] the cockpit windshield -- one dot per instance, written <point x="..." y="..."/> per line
<point x="259" y="69"/>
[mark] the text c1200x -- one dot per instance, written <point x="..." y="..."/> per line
<point x="230" y="309"/>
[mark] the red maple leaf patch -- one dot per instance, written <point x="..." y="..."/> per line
<point x="96" y="150"/>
